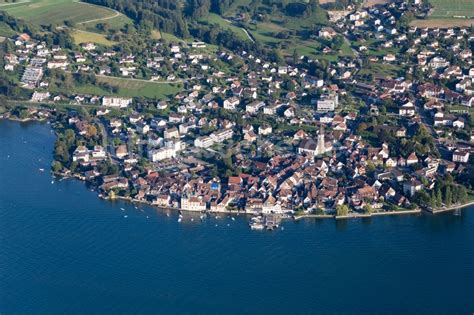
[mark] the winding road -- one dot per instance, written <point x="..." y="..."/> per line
<point x="242" y="28"/>
<point x="116" y="14"/>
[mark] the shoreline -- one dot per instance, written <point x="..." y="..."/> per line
<point x="357" y="215"/>
<point x="286" y="216"/>
<point x="450" y="208"/>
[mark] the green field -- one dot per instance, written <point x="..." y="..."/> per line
<point x="43" y="12"/>
<point x="380" y="69"/>
<point x="132" y="88"/>
<point x="5" y="30"/>
<point x="86" y="37"/>
<point x="115" y="23"/>
<point x="226" y="25"/>
<point x="452" y="8"/>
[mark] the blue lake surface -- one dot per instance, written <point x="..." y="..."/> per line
<point x="65" y="251"/>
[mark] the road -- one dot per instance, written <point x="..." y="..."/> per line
<point x="140" y="80"/>
<point x="242" y="28"/>
<point x="41" y="104"/>
<point x="116" y="13"/>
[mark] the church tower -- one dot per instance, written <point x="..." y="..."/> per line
<point x="321" y="145"/>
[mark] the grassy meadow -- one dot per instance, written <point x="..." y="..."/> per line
<point x="86" y="37"/>
<point x="132" y="88"/>
<point x="452" y="8"/>
<point x="56" y="11"/>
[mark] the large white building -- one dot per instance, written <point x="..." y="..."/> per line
<point x="203" y="142"/>
<point x="231" y="103"/>
<point x="220" y="136"/>
<point x="161" y="154"/>
<point x="40" y="96"/>
<point x="192" y="204"/>
<point x="327" y="103"/>
<point x="119" y="102"/>
<point x="254" y="107"/>
<point x="461" y="156"/>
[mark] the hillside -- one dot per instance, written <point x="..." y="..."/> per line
<point x="249" y="25"/>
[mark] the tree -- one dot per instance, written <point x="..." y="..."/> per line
<point x="368" y="209"/>
<point x="56" y="166"/>
<point x="462" y="194"/>
<point x="91" y="131"/>
<point x="69" y="137"/>
<point x="296" y="56"/>
<point x="342" y="210"/>
<point x="448" y="196"/>
<point x="439" y="200"/>
<point x="61" y="151"/>
<point x="432" y="201"/>
<point x="69" y="23"/>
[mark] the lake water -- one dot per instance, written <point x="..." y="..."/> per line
<point x="63" y="250"/>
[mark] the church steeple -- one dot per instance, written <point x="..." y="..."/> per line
<point x="321" y="145"/>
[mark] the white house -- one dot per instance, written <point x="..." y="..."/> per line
<point x="120" y="102"/>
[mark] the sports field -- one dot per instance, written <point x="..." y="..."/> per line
<point x="452" y="8"/>
<point x="133" y="88"/>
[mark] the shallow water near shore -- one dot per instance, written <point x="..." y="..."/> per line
<point x="64" y="250"/>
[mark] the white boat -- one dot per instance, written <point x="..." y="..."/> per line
<point x="179" y="219"/>
<point x="125" y="216"/>
<point x="122" y="209"/>
<point x="52" y="182"/>
<point x="41" y="169"/>
<point x="257" y="226"/>
<point x="233" y="219"/>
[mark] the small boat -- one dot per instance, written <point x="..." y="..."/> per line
<point x="122" y="209"/>
<point x="179" y="219"/>
<point x="41" y="169"/>
<point x="136" y="207"/>
<point x="233" y="219"/>
<point x="257" y="226"/>
<point x="52" y="182"/>
<point x="192" y="219"/>
<point x="457" y="212"/>
<point x="125" y="216"/>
